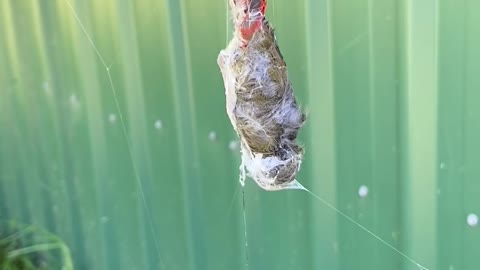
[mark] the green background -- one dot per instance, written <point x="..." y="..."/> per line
<point x="392" y="93"/>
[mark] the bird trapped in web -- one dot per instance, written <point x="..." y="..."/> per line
<point x="260" y="100"/>
<point x="263" y="110"/>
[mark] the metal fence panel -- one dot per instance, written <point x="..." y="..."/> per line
<point x="114" y="134"/>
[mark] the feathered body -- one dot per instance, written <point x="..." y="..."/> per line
<point x="260" y="100"/>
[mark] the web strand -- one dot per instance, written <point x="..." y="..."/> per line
<point x="245" y="227"/>
<point x="242" y="173"/>
<point x="124" y="128"/>
<point x="421" y="267"/>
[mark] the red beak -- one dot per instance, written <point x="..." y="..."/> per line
<point x="250" y="25"/>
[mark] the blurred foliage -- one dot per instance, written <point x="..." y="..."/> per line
<point x="26" y="247"/>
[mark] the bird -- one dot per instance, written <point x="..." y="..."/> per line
<point x="260" y="102"/>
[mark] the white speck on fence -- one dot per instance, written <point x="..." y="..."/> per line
<point x="472" y="220"/>
<point x="363" y="191"/>
<point x="212" y="136"/>
<point x="233" y="145"/>
<point x="112" y="118"/>
<point x="73" y="100"/>
<point x="158" y="124"/>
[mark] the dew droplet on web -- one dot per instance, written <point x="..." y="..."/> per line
<point x="46" y="88"/>
<point x="233" y="145"/>
<point x="158" y="124"/>
<point x="442" y="165"/>
<point x="472" y="220"/>
<point x="363" y="191"/>
<point x="421" y="267"/>
<point x="212" y="136"/>
<point x="73" y="100"/>
<point x="104" y="219"/>
<point x="112" y="118"/>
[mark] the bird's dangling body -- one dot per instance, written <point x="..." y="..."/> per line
<point x="260" y="101"/>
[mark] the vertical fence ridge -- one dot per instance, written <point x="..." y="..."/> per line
<point x="421" y="101"/>
<point x="186" y="130"/>
<point x="321" y="86"/>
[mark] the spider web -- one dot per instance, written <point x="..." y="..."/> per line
<point x="124" y="128"/>
<point x="138" y="179"/>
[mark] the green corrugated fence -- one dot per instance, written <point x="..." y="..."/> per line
<point x="114" y="135"/>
